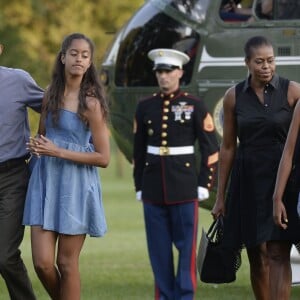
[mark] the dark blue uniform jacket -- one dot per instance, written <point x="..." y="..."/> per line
<point x="166" y="122"/>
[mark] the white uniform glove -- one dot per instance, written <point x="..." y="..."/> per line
<point x="203" y="193"/>
<point x="138" y="195"/>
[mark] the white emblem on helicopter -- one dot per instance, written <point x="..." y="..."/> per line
<point x="218" y="117"/>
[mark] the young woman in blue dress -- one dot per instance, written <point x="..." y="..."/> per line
<point x="64" y="201"/>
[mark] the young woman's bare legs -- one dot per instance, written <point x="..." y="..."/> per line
<point x="60" y="277"/>
<point x="68" y="250"/>
<point x="259" y="271"/>
<point x="43" y="255"/>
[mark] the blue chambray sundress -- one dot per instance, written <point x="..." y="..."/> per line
<point x="64" y="196"/>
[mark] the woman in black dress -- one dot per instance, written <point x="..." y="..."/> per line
<point x="257" y="114"/>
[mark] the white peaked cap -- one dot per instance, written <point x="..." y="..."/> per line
<point x="168" y="59"/>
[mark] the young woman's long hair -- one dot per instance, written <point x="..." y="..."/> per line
<point x="90" y="84"/>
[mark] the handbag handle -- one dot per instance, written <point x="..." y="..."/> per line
<point x="213" y="233"/>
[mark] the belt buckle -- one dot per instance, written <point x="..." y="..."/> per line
<point x="164" y="150"/>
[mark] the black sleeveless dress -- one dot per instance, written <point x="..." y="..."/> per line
<point x="262" y="131"/>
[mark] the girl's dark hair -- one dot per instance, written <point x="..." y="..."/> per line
<point x="90" y="84"/>
<point x="255" y="42"/>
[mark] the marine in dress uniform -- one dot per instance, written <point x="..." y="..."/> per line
<point x="166" y="176"/>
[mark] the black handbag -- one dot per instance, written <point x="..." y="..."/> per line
<point x="215" y="262"/>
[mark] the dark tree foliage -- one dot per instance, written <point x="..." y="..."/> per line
<point x="32" y="31"/>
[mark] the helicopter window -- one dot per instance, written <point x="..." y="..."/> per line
<point x="287" y="10"/>
<point x="236" y="10"/>
<point x="144" y="33"/>
<point x="195" y="9"/>
<point x="278" y="9"/>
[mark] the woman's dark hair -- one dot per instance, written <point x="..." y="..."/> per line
<point x="255" y="42"/>
<point x="90" y="84"/>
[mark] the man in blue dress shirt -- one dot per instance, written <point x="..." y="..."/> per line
<point x="18" y="91"/>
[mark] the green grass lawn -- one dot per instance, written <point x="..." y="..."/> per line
<point x="117" y="266"/>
